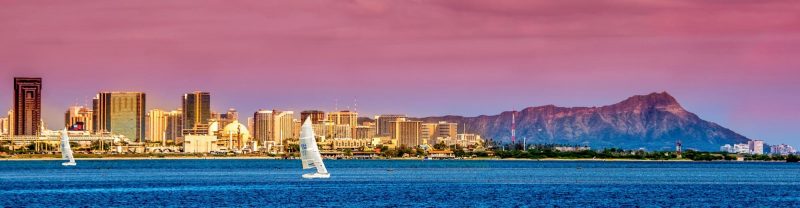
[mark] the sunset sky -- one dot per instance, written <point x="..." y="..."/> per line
<point x="733" y="62"/>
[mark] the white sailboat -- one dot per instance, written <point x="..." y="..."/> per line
<point x="309" y="152"/>
<point x="66" y="151"/>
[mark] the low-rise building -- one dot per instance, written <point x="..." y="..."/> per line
<point x="782" y="149"/>
<point x="441" y="154"/>
<point x="741" y="148"/>
<point x="351" y="144"/>
<point x="199" y="143"/>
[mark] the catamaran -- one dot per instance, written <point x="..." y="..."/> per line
<point x="309" y="152"/>
<point x="66" y="151"/>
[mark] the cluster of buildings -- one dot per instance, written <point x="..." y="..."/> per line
<point x="758" y="147"/>
<point x="196" y="128"/>
<point x="782" y="149"/>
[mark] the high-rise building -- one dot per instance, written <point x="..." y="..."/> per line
<point x="316" y="116"/>
<point x="343" y="118"/>
<point x="79" y="118"/>
<point x="174" y="130"/>
<point x="284" y="125"/>
<point x="756" y="146"/>
<point x="445" y="129"/>
<point x="196" y="108"/>
<point x="157" y="126"/>
<point x="428" y="133"/>
<point x="27" y="105"/>
<point x="121" y="113"/>
<point x="271" y="127"/>
<point x="263" y="123"/>
<point x="406" y="132"/>
<point x="382" y="123"/>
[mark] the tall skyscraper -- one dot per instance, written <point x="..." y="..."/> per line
<point x="157" y="126"/>
<point x="27" y="105"/>
<point x="196" y="112"/>
<point x="382" y="123"/>
<point x="316" y="116"/>
<point x="121" y="113"/>
<point x="406" y="132"/>
<point x="79" y="118"/>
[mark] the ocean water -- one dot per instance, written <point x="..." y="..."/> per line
<point x="398" y="183"/>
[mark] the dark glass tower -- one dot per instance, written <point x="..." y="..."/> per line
<point x="196" y="112"/>
<point x="121" y="113"/>
<point x="27" y="105"/>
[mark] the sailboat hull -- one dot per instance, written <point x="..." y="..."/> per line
<point x="316" y="175"/>
<point x="68" y="164"/>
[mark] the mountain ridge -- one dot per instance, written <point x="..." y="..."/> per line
<point x="655" y="121"/>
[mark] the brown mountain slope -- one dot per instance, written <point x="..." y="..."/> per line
<point x="655" y="122"/>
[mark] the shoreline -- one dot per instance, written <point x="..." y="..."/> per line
<point x="280" y="158"/>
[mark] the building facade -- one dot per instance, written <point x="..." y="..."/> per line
<point x="382" y="123"/>
<point x="27" y="106"/>
<point x="363" y="132"/>
<point x="173" y="132"/>
<point x="121" y="113"/>
<point x="284" y="125"/>
<point x="79" y="118"/>
<point x="406" y="132"/>
<point x="263" y="123"/>
<point x="428" y="133"/>
<point x="445" y="129"/>
<point x="316" y="116"/>
<point x="196" y="109"/>
<point x="343" y="118"/>
<point x="228" y="117"/>
<point x="157" y="126"/>
<point x="756" y="146"/>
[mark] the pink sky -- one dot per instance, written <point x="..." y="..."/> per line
<point x="734" y="62"/>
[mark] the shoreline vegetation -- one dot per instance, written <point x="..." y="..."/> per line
<point x="608" y="155"/>
<point x="539" y="152"/>
<point x="641" y="155"/>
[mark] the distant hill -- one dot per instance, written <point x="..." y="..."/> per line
<point x="655" y="122"/>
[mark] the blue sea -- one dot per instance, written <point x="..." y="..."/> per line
<point x="398" y="183"/>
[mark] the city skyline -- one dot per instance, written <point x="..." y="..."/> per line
<point x="469" y="59"/>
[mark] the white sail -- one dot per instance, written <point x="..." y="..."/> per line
<point x="309" y="152"/>
<point x="66" y="150"/>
